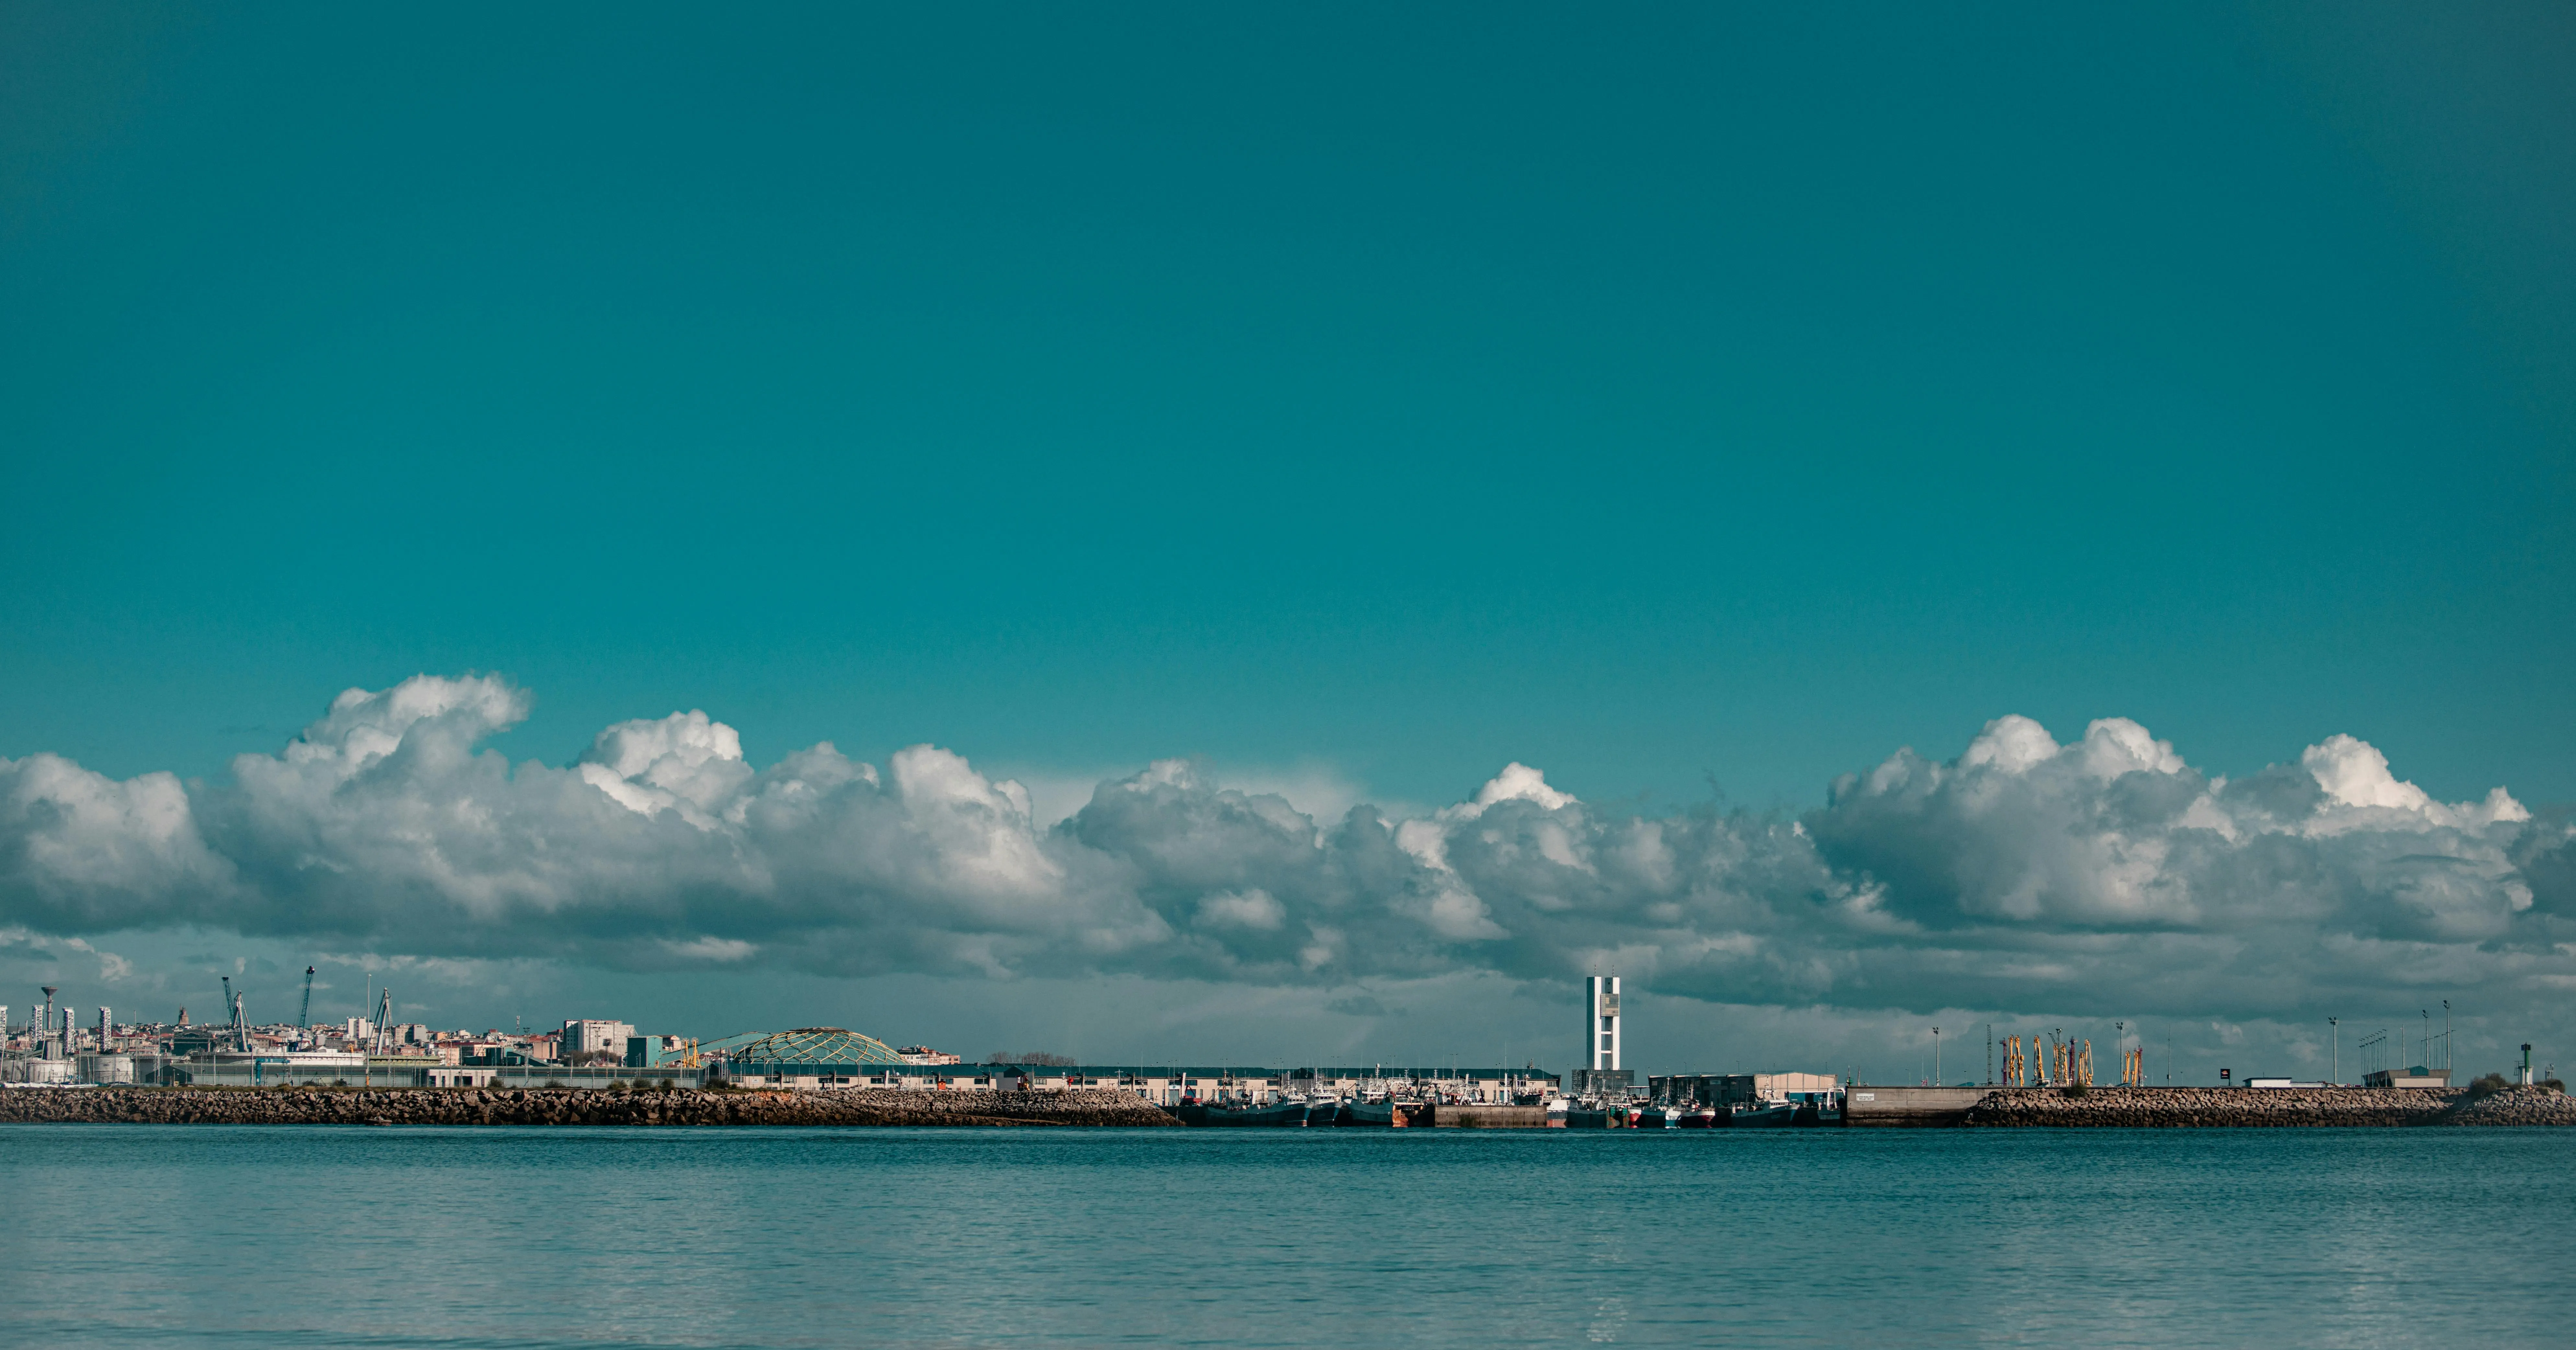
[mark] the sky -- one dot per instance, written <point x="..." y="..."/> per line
<point x="1294" y="536"/>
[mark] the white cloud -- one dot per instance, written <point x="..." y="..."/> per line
<point x="711" y="949"/>
<point x="684" y="762"/>
<point x="1254" y="909"/>
<point x="2022" y="873"/>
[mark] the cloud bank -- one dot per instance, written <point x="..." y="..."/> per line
<point x="2022" y="873"/>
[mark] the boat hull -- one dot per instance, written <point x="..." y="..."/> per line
<point x="1384" y="1115"/>
<point x="1285" y="1115"/>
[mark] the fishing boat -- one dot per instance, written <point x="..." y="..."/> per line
<point x="1382" y="1113"/>
<point x="1290" y="1115"/>
<point x="1765" y="1116"/>
<point x="1700" y="1118"/>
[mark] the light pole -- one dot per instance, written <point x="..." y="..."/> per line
<point x="2120" y="1047"/>
<point x="1936" y="1056"/>
<point x="2446" y="1043"/>
<point x="2334" y="1033"/>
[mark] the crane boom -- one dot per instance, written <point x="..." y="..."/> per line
<point x="304" y="1015"/>
<point x="232" y="1001"/>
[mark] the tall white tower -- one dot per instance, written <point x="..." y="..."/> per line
<point x="1601" y="1021"/>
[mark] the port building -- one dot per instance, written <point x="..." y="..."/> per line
<point x="1726" y="1091"/>
<point x="804" y="1061"/>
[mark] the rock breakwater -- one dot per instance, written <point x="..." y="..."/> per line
<point x="2516" y="1106"/>
<point x="2239" y="1108"/>
<point x="566" y="1106"/>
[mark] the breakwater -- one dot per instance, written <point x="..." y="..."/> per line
<point x="566" y="1106"/>
<point x="2238" y="1108"/>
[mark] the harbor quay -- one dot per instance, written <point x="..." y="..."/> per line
<point x="58" y="1066"/>
<point x="573" y="1107"/>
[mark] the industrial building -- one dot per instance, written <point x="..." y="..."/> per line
<point x="2415" y="1077"/>
<point x="1727" y="1091"/>
<point x="1491" y="1086"/>
<point x="585" y="1036"/>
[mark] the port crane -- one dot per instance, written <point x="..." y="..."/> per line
<point x="304" y="1014"/>
<point x="236" y="1029"/>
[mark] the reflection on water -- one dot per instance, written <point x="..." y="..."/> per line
<point x="118" y="1235"/>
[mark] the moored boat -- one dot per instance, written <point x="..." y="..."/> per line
<point x="1290" y="1115"/>
<point x="1377" y="1113"/>
<point x="1765" y="1116"/>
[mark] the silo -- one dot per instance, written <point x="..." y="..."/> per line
<point x="107" y="1068"/>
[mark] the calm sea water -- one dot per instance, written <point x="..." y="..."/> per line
<point x="123" y="1235"/>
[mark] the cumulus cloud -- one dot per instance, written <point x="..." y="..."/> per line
<point x="2021" y="873"/>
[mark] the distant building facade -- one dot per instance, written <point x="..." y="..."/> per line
<point x="2417" y="1077"/>
<point x="590" y="1036"/>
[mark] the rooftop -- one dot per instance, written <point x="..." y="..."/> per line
<point x="806" y="1045"/>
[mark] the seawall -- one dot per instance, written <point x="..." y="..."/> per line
<point x="2239" y="1108"/>
<point x="566" y="1106"/>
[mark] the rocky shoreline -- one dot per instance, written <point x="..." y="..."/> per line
<point x="566" y="1106"/>
<point x="2240" y="1108"/>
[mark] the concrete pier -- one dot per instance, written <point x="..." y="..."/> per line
<point x="2201" y="1108"/>
<point x="1487" y="1116"/>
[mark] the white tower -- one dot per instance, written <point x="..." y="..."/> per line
<point x="1601" y="1021"/>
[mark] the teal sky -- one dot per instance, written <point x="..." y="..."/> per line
<point x="1702" y="391"/>
<point x="1684" y="397"/>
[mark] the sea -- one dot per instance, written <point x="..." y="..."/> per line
<point x="124" y="1235"/>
